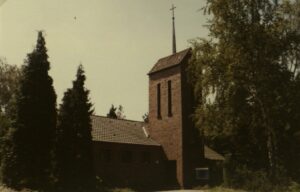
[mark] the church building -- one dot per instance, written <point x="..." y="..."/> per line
<point x="168" y="151"/>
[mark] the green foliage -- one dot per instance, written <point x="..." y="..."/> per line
<point x="116" y="113"/>
<point x="74" y="168"/>
<point x="5" y="124"/>
<point x="294" y="187"/>
<point x="146" y="117"/>
<point x="241" y="176"/>
<point x="112" y="112"/>
<point x="246" y="81"/>
<point x="120" y="113"/>
<point x="263" y="187"/>
<point x="252" y="180"/>
<point x="9" y="82"/>
<point x="29" y="142"/>
<point x="5" y="189"/>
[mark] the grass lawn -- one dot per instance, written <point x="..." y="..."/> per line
<point x="222" y="189"/>
<point x="5" y="189"/>
<point x="216" y="189"/>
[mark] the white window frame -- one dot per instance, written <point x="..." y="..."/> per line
<point x="198" y="176"/>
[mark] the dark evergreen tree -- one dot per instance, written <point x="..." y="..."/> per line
<point x="28" y="160"/>
<point x="74" y="141"/>
<point x="112" y="112"/>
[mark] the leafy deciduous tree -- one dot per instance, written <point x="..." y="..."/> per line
<point x="120" y="113"/>
<point x="245" y="81"/>
<point x="9" y="81"/>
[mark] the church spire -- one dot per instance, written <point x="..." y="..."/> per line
<point x="174" y="37"/>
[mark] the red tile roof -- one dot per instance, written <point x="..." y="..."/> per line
<point x="120" y="131"/>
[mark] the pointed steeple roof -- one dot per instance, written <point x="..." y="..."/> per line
<point x="170" y="61"/>
<point x="173" y="25"/>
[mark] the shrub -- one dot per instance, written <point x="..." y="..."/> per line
<point x="241" y="177"/>
<point x="294" y="187"/>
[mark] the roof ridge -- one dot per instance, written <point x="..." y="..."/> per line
<point x="119" y="119"/>
<point x="176" y="53"/>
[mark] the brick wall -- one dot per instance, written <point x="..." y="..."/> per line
<point x="135" y="173"/>
<point x="177" y="134"/>
<point x="167" y="130"/>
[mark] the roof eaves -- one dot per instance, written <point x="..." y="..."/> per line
<point x="210" y="154"/>
<point x="147" y="144"/>
<point x="164" y="69"/>
<point x="130" y="120"/>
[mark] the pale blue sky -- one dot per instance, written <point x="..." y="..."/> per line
<point x="117" y="41"/>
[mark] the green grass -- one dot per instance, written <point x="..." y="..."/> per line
<point x="121" y="190"/>
<point x="222" y="189"/>
<point x="5" y="189"/>
<point x="293" y="187"/>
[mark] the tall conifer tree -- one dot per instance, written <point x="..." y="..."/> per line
<point x="28" y="162"/>
<point x="74" y="140"/>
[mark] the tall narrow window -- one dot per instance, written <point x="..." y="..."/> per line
<point x="169" y="98"/>
<point x="158" y="101"/>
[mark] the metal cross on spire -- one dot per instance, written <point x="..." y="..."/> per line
<point x="172" y="9"/>
<point x="174" y="36"/>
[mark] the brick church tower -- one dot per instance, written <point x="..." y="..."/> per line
<point x="170" y="122"/>
<point x="171" y="105"/>
<point x="168" y="151"/>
